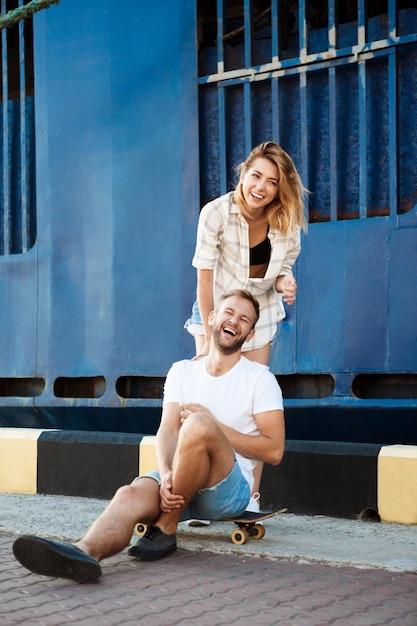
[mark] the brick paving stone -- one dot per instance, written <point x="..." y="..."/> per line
<point x="203" y="588"/>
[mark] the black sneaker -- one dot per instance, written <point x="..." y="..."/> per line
<point x="155" y="544"/>
<point x="56" y="559"/>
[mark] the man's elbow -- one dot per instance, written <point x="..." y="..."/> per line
<point x="276" y="456"/>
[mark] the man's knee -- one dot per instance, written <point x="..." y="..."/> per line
<point x="199" y="428"/>
<point x="124" y="493"/>
<point x="127" y="493"/>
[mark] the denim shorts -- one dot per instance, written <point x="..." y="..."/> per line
<point x="194" y="324"/>
<point x="229" y="498"/>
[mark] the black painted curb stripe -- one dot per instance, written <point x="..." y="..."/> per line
<point x="315" y="477"/>
<point x="86" y="464"/>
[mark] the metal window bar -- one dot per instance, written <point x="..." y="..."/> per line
<point x="362" y="138"/>
<point x="248" y="32"/>
<point x="220" y="31"/>
<point x="362" y="112"/>
<point x="303" y="92"/>
<point x="6" y="161"/>
<point x="222" y="143"/>
<point x="332" y="42"/>
<point x="221" y="98"/>
<point x="393" y="133"/>
<point x="393" y="111"/>
<point x="17" y="223"/>
<point x="275" y="43"/>
<point x="274" y="31"/>
<point x="23" y="162"/>
<point x="247" y="86"/>
<point x="302" y="28"/>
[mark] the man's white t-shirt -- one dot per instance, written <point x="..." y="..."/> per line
<point x="233" y="399"/>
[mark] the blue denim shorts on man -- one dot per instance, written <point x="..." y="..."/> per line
<point x="229" y="498"/>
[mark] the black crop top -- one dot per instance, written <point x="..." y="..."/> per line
<point x="261" y="253"/>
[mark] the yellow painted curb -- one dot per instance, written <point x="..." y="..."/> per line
<point x="397" y="484"/>
<point x="147" y="455"/>
<point x="19" y="460"/>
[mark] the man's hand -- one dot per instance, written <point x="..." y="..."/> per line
<point x="192" y="407"/>
<point x="169" y="501"/>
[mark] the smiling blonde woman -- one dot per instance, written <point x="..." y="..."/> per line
<point x="250" y="239"/>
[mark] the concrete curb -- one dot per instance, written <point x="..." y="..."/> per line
<point x="315" y="477"/>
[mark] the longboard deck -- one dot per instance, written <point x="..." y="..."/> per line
<point x="248" y="525"/>
<point x="252" y="517"/>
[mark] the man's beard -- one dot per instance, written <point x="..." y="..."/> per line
<point x="230" y="348"/>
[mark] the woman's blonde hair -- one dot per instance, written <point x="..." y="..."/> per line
<point x="285" y="212"/>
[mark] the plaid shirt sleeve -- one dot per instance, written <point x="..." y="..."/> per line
<point x="209" y="231"/>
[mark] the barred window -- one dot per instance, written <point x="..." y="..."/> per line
<point x="332" y="81"/>
<point x="17" y="154"/>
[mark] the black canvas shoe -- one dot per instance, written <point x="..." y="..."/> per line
<point x="155" y="544"/>
<point x="56" y="559"/>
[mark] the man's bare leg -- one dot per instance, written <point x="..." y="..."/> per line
<point x="112" y="530"/>
<point x="202" y="459"/>
<point x="109" y="534"/>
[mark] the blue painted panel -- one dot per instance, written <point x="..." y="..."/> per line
<point x="365" y="302"/>
<point x="18" y="315"/>
<point x="402" y="300"/>
<point x="319" y="311"/>
<point x="18" y="273"/>
<point x="357" y="304"/>
<point x="108" y="285"/>
<point x="116" y="107"/>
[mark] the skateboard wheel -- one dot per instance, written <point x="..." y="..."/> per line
<point x="140" y="529"/>
<point x="239" y="537"/>
<point x="257" y="531"/>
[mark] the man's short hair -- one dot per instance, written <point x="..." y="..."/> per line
<point x="241" y="293"/>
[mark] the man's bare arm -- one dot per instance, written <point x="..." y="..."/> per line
<point x="167" y="437"/>
<point x="267" y="446"/>
<point x="166" y="444"/>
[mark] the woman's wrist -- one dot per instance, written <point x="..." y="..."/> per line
<point x="278" y="282"/>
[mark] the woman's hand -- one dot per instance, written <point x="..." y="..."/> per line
<point x="287" y="287"/>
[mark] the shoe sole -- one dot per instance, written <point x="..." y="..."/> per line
<point x="41" y="557"/>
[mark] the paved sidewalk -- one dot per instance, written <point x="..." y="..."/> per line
<point x="305" y="572"/>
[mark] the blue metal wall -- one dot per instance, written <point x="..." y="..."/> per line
<point x="340" y="98"/>
<point x="91" y="317"/>
<point x="105" y="290"/>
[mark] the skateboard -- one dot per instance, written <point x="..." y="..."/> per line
<point x="248" y="526"/>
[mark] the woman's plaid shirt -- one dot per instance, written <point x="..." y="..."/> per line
<point x="223" y="246"/>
